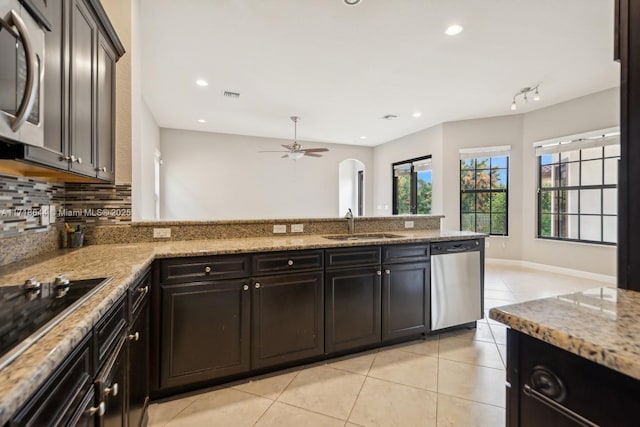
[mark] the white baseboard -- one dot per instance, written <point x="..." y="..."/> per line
<point x="553" y="269"/>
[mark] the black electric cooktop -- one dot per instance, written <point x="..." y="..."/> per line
<point x="29" y="311"/>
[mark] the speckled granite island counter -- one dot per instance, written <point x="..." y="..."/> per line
<point x="125" y="263"/>
<point x="573" y="358"/>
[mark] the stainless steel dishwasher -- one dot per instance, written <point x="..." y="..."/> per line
<point x="456" y="283"/>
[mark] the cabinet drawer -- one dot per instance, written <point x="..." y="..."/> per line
<point x="138" y="294"/>
<point x="109" y="330"/>
<point x="184" y="270"/>
<point x="352" y="257"/>
<point x="405" y="253"/>
<point x="280" y="262"/>
<point x="57" y="401"/>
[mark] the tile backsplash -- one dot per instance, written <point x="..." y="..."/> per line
<point x="24" y="201"/>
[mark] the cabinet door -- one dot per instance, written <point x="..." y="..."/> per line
<point x="287" y="318"/>
<point x="204" y="331"/>
<point x="55" y="88"/>
<point x="405" y="300"/>
<point x="105" y="119"/>
<point x="138" y="338"/>
<point x="83" y="42"/>
<point x="111" y="388"/>
<point x="352" y="308"/>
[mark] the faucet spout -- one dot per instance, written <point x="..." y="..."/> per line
<point x="350" y="221"/>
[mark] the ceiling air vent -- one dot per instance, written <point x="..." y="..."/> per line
<point x="389" y="116"/>
<point x="234" y="95"/>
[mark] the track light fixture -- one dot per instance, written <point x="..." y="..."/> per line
<point x="524" y="92"/>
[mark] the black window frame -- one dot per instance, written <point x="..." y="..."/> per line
<point x="489" y="191"/>
<point x="577" y="188"/>
<point x="414" y="185"/>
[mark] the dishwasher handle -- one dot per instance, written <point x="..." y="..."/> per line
<point x="455" y="247"/>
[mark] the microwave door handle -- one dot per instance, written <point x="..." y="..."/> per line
<point x="28" y="99"/>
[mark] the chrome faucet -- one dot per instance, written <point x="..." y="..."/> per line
<point x="350" y="221"/>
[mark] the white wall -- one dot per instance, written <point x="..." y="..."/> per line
<point x="348" y="184"/>
<point x="208" y="176"/>
<point x="422" y="143"/>
<point x="142" y="192"/>
<point x="591" y="112"/>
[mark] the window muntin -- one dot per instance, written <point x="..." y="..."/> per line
<point x="412" y="186"/>
<point x="484" y="196"/>
<point x="577" y="195"/>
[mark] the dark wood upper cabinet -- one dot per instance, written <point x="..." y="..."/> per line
<point x="79" y="86"/>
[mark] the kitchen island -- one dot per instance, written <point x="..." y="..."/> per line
<point x="573" y="359"/>
<point x="126" y="264"/>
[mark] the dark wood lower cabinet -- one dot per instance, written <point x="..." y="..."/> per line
<point x="405" y="300"/>
<point x="111" y="388"/>
<point x="548" y="386"/>
<point x="352" y="308"/>
<point x="138" y="339"/>
<point x="287" y="318"/>
<point x="204" y="331"/>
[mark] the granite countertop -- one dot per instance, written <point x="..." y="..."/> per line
<point x="125" y="263"/>
<point x="601" y="325"/>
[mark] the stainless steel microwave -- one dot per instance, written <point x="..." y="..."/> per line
<point x="21" y="75"/>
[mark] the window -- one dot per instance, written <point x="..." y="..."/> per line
<point x="412" y="186"/>
<point x="484" y="176"/>
<point x="577" y="189"/>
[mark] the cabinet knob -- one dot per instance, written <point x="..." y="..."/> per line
<point x="79" y="160"/>
<point x="207" y="269"/>
<point x="257" y="285"/>
<point x="103" y="169"/>
<point x="97" y="410"/>
<point x="134" y="337"/>
<point x="387" y="272"/>
<point x="100" y="169"/>
<point x="72" y="158"/>
<point x="290" y="262"/>
<point x="245" y="287"/>
<point x="64" y="158"/>
<point x="113" y="390"/>
<point x="379" y="273"/>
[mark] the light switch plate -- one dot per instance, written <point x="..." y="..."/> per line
<point x="44" y="215"/>
<point x="279" y="228"/>
<point x="408" y="224"/>
<point x="161" y="233"/>
<point x="297" y="228"/>
<point x="52" y="214"/>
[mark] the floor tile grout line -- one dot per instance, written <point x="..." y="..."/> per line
<point x="182" y="410"/>
<point x="277" y="397"/>
<point x="311" y="410"/>
<point x="361" y="387"/>
<point x="471" y="400"/>
<point x="405" y="385"/>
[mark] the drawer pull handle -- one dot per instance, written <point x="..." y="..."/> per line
<point x="100" y="409"/>
<point x="144" y="290"/>
<point x="113" y="390"/>
<point x="534" y="394"/>
<point x="257" y="285"/>
<point x="290" y="262"/>
<point x="134" y="337"/>
<point x="207" y="269"/>
<point x="245" y="287"/>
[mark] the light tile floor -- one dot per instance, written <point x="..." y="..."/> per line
<point x="450" y="379"/>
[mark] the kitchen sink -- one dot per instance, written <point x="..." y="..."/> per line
<point x="363" y="236"/>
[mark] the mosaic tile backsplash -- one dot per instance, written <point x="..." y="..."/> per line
<point x="33" y="212"/>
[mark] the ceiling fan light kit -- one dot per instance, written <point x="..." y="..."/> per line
<point x="295" y="150"/>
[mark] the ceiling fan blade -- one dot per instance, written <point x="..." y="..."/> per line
<point x="288" y="147"/>
<point x="312" y="154"/>
<point x="285" y="156"/>
<point x="272" y="151"/>
<point x="315" y="150"/>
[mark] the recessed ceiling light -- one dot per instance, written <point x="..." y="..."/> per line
<point x="363" y="137"/>
<point x="453" y="30"/>
<point x="202" y="121"/>
<point x="202" y="82"/>
<point x="417" y="114"/>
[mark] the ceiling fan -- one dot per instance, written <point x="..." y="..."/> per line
<point x="295" y="150"/>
